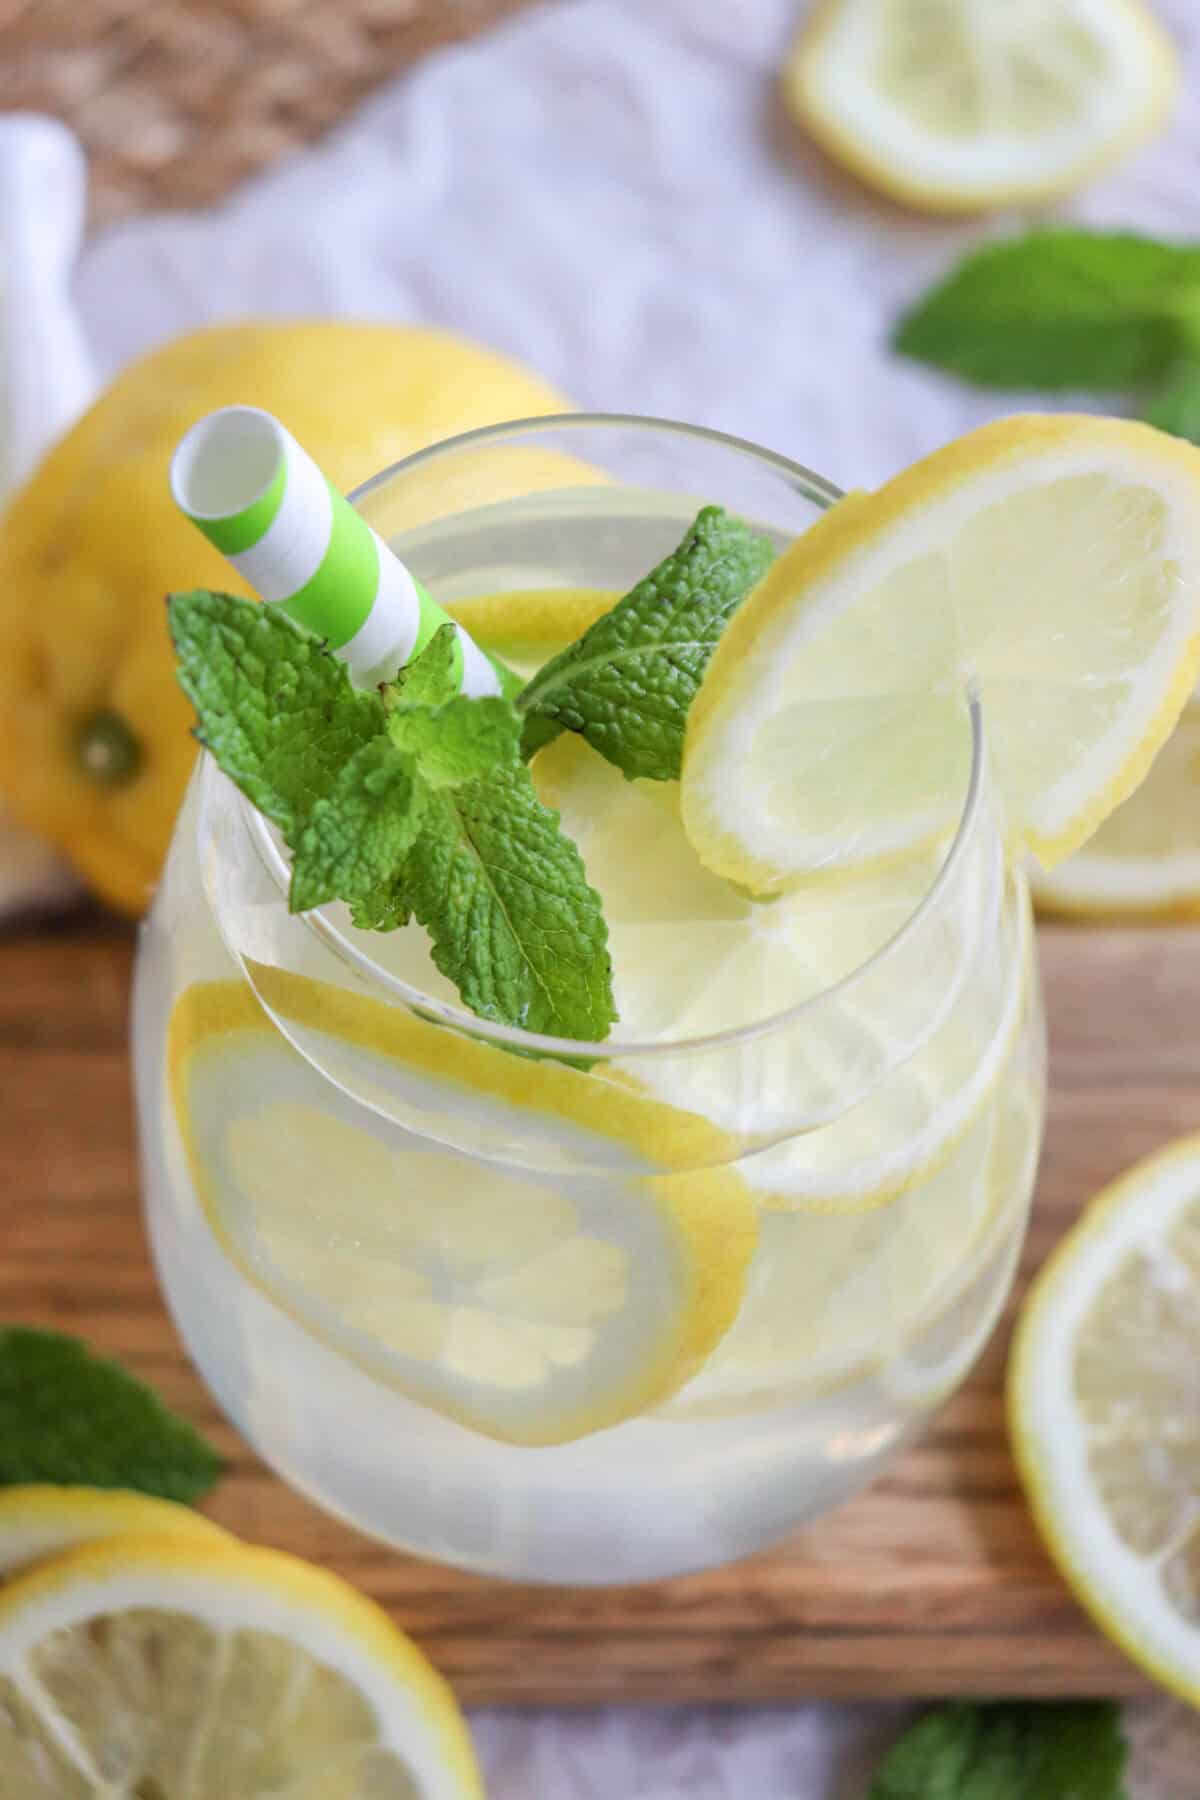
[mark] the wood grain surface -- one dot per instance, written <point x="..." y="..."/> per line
<point x="932" y="1582"/>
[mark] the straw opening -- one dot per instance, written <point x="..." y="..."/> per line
<point x="226" y="462"/>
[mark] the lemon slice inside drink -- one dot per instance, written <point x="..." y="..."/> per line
<point x="152" y="1666"/>
<point x="1103" y="1412"/>
<point x="531" y="1310"/>
<point x="831" y="1299"/>
<point x="1049" y="565"/>
<point x="901" y="1076"/>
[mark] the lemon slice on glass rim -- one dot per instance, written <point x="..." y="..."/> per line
<point x="1050" y="564"/>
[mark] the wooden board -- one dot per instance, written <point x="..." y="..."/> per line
<point x="932" y="1582"/>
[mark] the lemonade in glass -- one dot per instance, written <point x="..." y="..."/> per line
<point x="591" y="1311"/>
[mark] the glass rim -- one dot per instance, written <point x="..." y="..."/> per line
<point x="613" y="1049"/>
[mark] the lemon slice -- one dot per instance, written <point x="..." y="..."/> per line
<point x="955" y="107"/>
<point x="1144" y="862"/>
<point x="833" y="1299"/>
<point x="694" y="956"/>
<point x="38" y="1521"/>
<point x="149" y="1666"/>
<point x="1103" y="1412"/>
<point x="532" y="1310"/>
<point x="1052" y="564"/>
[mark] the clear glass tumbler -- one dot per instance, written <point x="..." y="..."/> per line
<point x="588" y="1313"/>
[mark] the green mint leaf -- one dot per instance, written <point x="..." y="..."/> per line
<point x="627" y="683"/>
<point x="68" y="1417"/>
<point x="1070" y="1750"/>
<point x="505" y="897"/>
<point x="1060" y="308"/>
<point x="384" y="908"/>
<point x="429" y="679"/>
<point x="356" y="835"/>
<point x="1175" y="407"/>
<point x="457" y="742"/>
<point x="276" y="710"/>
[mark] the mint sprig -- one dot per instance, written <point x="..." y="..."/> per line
<point x="1069" y="309"/>
<point x="1070" y="1750"/>
<point x="408" y="801"/>
<point x="1060" y="309"/>
<point x="414" y="801"/>
<point x="70" y="1418"/>
<point x="626" y="685"/>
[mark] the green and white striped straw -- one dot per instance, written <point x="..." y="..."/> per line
<point x="242" y="478"/>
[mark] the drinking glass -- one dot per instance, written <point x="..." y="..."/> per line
<point x="399" y="1240"/>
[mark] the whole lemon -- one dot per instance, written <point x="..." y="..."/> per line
<point x="95" y="735"/>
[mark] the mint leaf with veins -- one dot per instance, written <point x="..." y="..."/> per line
<point x="456" y="742"/>
<point x="430" y="678"/>
<point x="274" y="707"/>
<point x="505" y="898"/>
<point x="627" y="683"/>
<point x="356" y="835"/>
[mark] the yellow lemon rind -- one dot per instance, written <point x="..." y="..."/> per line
<point x="612" y="1106"/>
<point x="712" y="1217"/>
<point x="188" y="1575"/>
<point x="38" y="1520"/>
<point x="1055" y="1274"/>
<point x="840" y="537"/>
<point x="803" y="84"/>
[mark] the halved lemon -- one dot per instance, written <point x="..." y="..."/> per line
<point x="1144" y="861"/>
<point x="1050" y="565"/>
<point x="956" y="107"/>
<point x="531" y="1309"/>
<point x="37" y="1521"/>
<point x="1104" y="1413"/>
<point x="155" y="1666"/>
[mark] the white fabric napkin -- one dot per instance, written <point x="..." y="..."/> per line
<point x="608" y="189"/>
<point x="46" y="379"/>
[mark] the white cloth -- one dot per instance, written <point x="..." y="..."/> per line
<point x="608" y="189"/>
<point x="46" y="378"/>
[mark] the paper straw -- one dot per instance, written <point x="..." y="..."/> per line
<point x="242" y="478"/>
